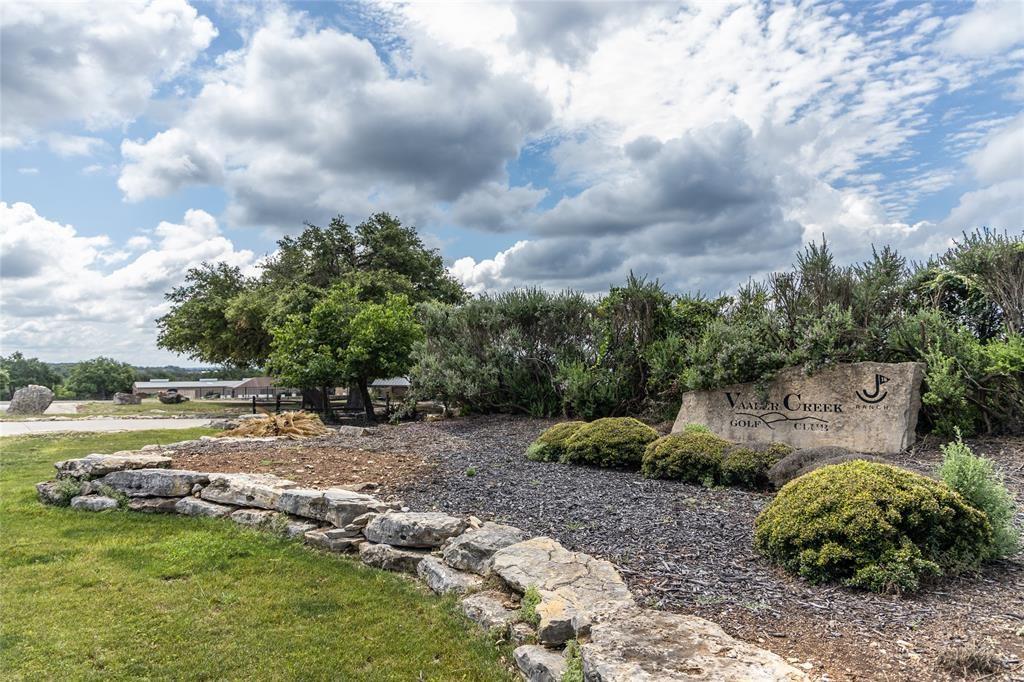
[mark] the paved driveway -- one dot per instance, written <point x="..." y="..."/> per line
<point x="12" y="428"/>
<point x="56" y="407"/>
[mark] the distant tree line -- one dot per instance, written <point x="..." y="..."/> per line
<point x="98" y="378"/>
<point x="341" y="306"/>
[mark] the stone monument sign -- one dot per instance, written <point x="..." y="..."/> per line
<point x="865" y="406"/>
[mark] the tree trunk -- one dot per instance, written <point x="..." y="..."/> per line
<point x="355" y="397"/>
<point x="364" y="393"/>
<point x="327" y="404"/>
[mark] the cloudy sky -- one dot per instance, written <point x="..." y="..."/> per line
<point x="555" y="144"/>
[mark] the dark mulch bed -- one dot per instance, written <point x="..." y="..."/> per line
<point x="686" y="548"/>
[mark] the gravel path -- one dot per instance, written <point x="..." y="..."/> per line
<point x="24" y="428"/>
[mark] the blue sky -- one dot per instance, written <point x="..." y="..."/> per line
<point x="548" y="144"/>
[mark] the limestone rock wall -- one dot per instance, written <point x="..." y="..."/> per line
<point x="531" y="591"/>
<point x="865" y="406"/>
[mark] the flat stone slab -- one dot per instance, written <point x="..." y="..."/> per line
<point x="193" y="506"/>
<point x="539" y="664"/>
<point x="333" y="539"/>
<point x="246" y="490"/>
<point x="94" y="466"/>
<point x="154" y="482"/>
<point x="335" y="505"/>
<point x="414" y="529"/>
<point x="472" y="551"/>
<point x="391" y="558"/>
<point x="488" y="610"/>
<point x="865" y="406"/>
<point x="443" y="579"/>
<point x="657" y="646"/>
<point x="154" y="505"/>
<point x="254" y="518"/>
<point x="93" y="503"/>
<point x="574" y="588"/>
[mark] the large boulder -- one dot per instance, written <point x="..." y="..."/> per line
<point x="443" y="579"/>
<point x="333" y="539"/>
<point x="646" y="646"/>
<point x="127" y="399"/>
<point x="414" y="529"/>
<point x="93" y="502"/>
<point x="193" y="506"/>
<point x="254" y="518"/>
<point x="94" y="466"/>
<point x="155" y="482"/>
<point x="574" y="588"/>
<point x="246" y="490"/>
<point x="806" y="460"/>
<point x="391" y="558"/>
<point x="31" y="399"/>
<point x="172" y="398"/>
<point x="489" y="610"/>
<point x="154" y="505"/>
<point x="539" y="664"/>
<point x="472" y="551"/>
<point x="335" y="505"/>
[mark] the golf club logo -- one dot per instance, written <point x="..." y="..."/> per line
<point x="877" y="395"/>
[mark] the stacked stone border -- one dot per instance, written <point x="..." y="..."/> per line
<point x="562" y="610"/>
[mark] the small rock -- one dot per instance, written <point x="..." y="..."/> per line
<point x="193" y="506"/>
<point x="354" y="431"/>
<point x="472" y="551"/>
<point x="443" y="579"/>
<point x="522" y="633"/>
<point x="127" y="399"/>
<point x="49" y="493"/>
<point x="488" y="610"/>
<point x="254" y="518"/>
<point x="93" y="503"/>
<point x="154" y="505"/>
<point x="391" y="558"/>
<point x="332" y="540"/>
<point x="414" y="529"/>
<point x="539" y="664"/>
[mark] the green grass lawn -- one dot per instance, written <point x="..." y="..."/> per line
<point x="121" y="595"/>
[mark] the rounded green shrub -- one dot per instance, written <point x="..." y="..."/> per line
<point x="747" y="466"/>
<point x="871" y="526"/>
<point x="609" y="442"/>
<point x="550" y="445"/>
<point x="695" y="457"/>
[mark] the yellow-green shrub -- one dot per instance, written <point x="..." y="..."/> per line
<point x="550" y="445"/>
<point x="609" y="442"/>
<point x="747" y="466"/>
<point x="695" y="457"/>
<point x="872" y="526"/>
